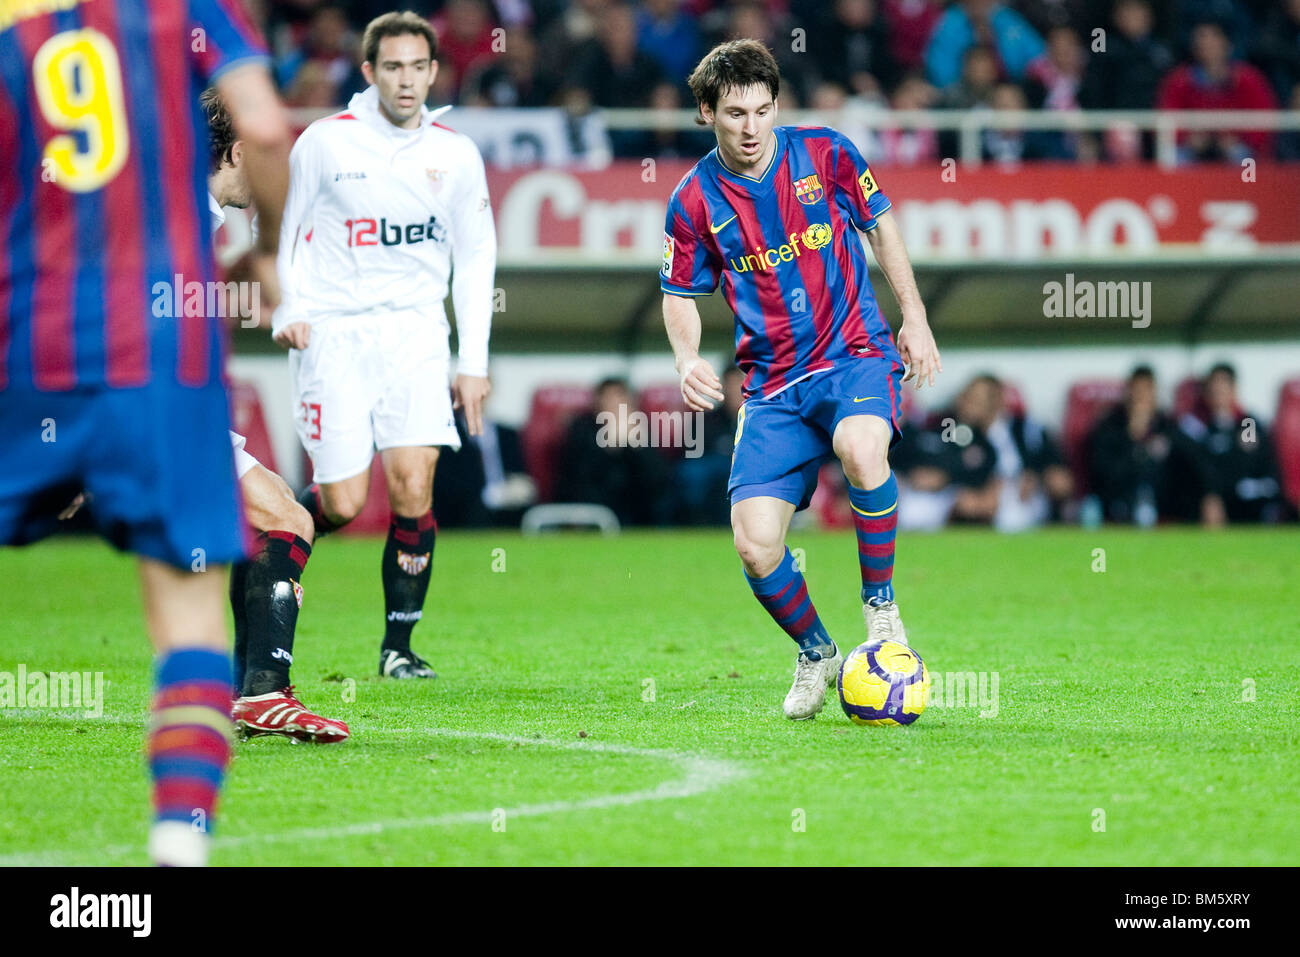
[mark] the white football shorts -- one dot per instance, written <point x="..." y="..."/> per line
<point x="367" y="383"/>
<point x="244" y="463"/>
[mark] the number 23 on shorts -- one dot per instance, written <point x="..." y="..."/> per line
<point x="311" y="418"/>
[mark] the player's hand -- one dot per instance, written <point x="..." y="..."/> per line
<point x="74" y="506"/>
<point x="699" y="384"/>
<point x="918" y="351"/>
<point x="296" y="335"/>
<point x="469" y="392"/>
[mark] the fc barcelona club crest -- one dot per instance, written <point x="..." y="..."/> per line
<point x="412" y="564"/>
<point x="809" y="190"/>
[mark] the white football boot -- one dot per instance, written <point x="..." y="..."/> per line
<point x="811" y="679"/>
<point x="883" y="623"/>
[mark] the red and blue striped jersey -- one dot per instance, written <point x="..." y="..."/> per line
<point x="786" y="247"/>
<point x="103" y="189"/>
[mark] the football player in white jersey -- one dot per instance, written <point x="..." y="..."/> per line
<point x="265" y="592"/>
<point x="382" y="201"/>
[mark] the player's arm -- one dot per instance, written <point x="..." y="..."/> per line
<point x="474" y="259"/>
<point x="690" y="270"/>
<point x="234" y="59"/>
<point x="699" y="382"/>
<point x="289" y="327"/>
<point x="915" y="340"/>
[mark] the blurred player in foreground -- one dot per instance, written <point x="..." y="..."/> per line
<point x="265" y="592"/>
<point x="101" y="387"/>
<point x="775" y="212"/>
<point x="381" y="199"/>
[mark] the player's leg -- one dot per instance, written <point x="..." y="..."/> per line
<point x="334" y="394"/>
<point x="759" y="525"/>
<point x="270" y="599"/>
<point x="189" y="736"/>
<point x="407" y="564"/>
<point x="862" y="444"/>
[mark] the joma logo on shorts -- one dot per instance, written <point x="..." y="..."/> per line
<point x="368" y="232"/>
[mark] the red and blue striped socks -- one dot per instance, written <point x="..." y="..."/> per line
<point x="784" y="594"/>
<point x="875" y="516"/>
<point x="189" y="748"/>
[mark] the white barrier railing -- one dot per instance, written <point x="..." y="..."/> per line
<point x="969" y="124"/>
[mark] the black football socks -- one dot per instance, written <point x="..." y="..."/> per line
<point x="272" y="598"/>
<point x="407" y="568"/>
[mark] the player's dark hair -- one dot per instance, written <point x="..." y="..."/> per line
<point x="612" y="382"/>
<point x="733" y="65"/>
<point x="398" y="23"/>
<point x="1142" y="372"/>
<point x="221" y="130"/>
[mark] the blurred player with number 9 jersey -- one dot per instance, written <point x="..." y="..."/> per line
<point x="103" y="212"/>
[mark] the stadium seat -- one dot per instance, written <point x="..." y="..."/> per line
<point x="1286" y="439"/>
<point x="1186" y="395"/>
<point x="248" y="419"/>
<point x="664" y="397"/>
<point x="1085" y="403"/>
<point x="542" y="438"/>
<point x="1012" y="400"/>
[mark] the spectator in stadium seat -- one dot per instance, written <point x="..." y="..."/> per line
<point x="1237" y="452"/>
<point x="324" y="71"/>
<point x="1043" y="15"/>
<point x="969" y="23"/>
<point x="1141" y="466"/>
<point x="701" y="483"/>
<point x="910" y="24"/>
<point x="464" y="39"/>
<point x="669" y="35"/>
<point x="978" y="80"/>
<point x="1035" y="482"/>
<point x="752" y="19"/>
<point x="947" y="470"/>
<point x="512" y="79"/>
<point x="1127" y="75"/>
<point x="1232" y="16"/>
<point x="1215" y="81"/>
<point x="631" y="481"/>
<point x="1278" y="49"/>
<point x="854" y="50"/>
<point x="485" y="482"/>
<point x="614" y="73"/>
<point x="1010" y="146"/>
<point x="899" y="147"/>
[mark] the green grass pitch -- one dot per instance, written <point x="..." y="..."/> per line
<point x="617" y="701"/>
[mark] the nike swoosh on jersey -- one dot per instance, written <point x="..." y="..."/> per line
<point x="867" y="398"/>
<point x="714" y="229"/>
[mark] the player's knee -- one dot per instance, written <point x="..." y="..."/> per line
<point x="410" y="492"/>
<point x="296" y="519"/>
<point x="341" y="507"/>
<point x="759" y="553"/>
<point x="865" y="461"/>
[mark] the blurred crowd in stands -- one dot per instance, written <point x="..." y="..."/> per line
<point x="1119" y="457"/>
<point x="906" y="54"/>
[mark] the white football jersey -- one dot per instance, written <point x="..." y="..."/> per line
<point x="375" y="217"/>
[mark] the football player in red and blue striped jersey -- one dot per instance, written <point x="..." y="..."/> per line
<point x="103" y="387"/>
<point x="775" y="214"/>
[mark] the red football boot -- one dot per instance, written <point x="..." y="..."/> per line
<point x="281" y="713"/>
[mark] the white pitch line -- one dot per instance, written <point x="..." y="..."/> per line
<point x="701" y="774"/>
